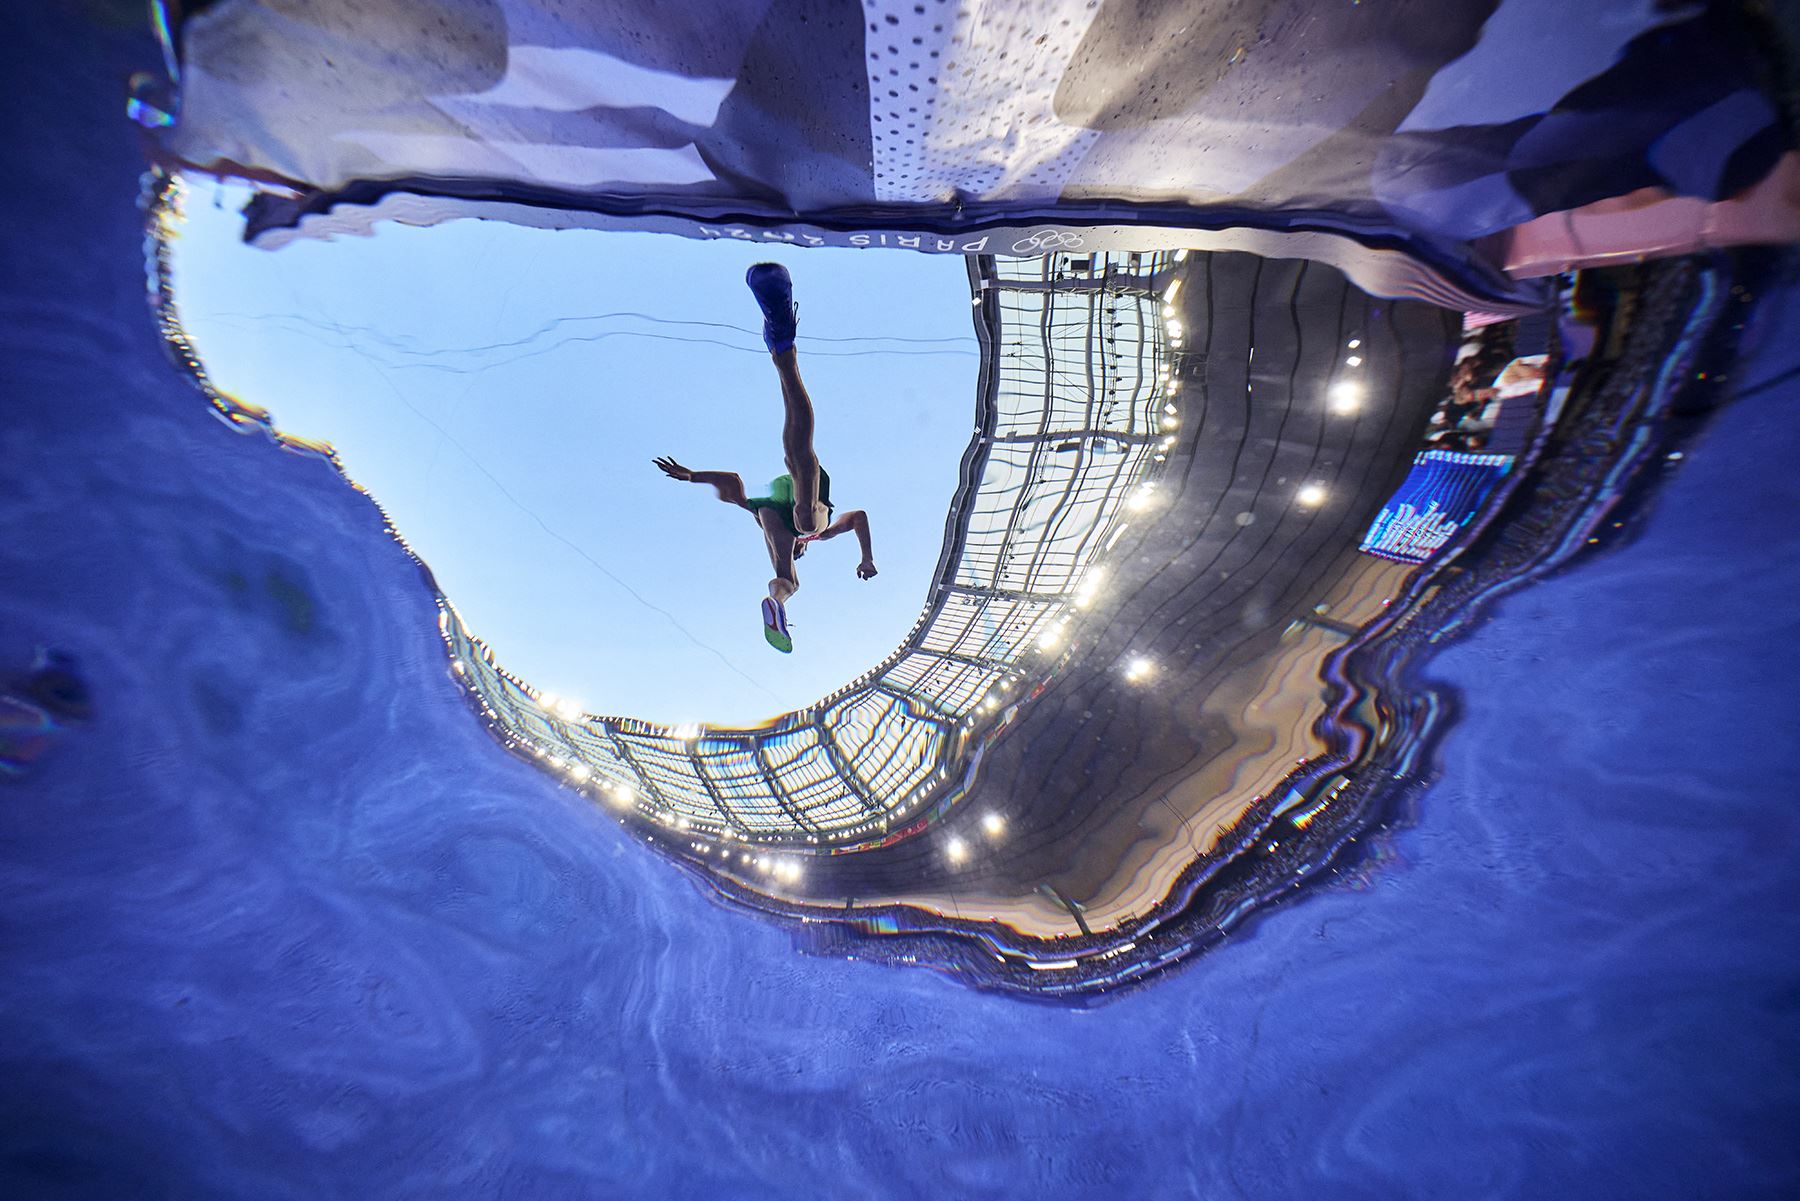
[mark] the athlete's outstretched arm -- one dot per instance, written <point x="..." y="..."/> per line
<point x="728" y="484"/>
<point x="858" y="521"/>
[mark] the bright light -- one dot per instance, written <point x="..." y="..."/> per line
<point x="1310" y="495"/>
<point x="1169" y="423"/>
<point x="1090" y="587"/>
<point x="1354" y="343"/>
<point x="562" y="706"/>
<point x="1181" y="256"/>
<point x="687" y="731"/>
<point x="1050" y="640"/>
<point x="1354" y="360"/>
<point x="992" y="824"/>
<point x="622" y="794"/>
<point x="1138" y="668"/>
<point x="957" y="849"/>
<point x="579" y="772"/>
<point x="1141" y="498"/>
<point x="1170" y="291"/>
<point x="1346" y="396"/>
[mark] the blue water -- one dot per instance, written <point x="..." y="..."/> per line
<point x="280" y="921"/>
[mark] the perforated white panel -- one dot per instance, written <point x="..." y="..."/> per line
<point x="961" y="97"/>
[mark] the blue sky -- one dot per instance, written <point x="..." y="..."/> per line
<point x="522" y="473"/>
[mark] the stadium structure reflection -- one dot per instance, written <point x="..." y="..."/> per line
<point x="1235" y="711"/>
<point x="1074" y="418"/>
<point x="1159" y="677"/>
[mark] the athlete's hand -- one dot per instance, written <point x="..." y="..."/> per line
<point x="865" y="569"/>
<point x="674" y="470"/>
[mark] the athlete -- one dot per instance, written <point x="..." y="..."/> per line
<point x="798" y="509"/>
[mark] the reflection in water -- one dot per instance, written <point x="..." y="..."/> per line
<point x="283" y="921"/>
<point x="1154" y="682"/>
<point x="1159" y="673"/>
<point x="501" y="393"/>
<point x="1046" y="484"/>
<point x="36" y="705"/>
<point x="1075" y="416"/>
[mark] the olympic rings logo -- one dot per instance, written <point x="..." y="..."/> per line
<point x="1048" y="239"/>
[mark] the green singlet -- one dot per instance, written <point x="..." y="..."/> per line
<point x="781" y="499"/>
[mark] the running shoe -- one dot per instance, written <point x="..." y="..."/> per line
<point x="775" y="626"/>
<point x="773" y="288"/>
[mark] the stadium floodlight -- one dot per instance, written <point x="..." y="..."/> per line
<point x="1346" y="396"/>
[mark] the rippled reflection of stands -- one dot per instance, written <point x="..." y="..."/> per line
<point x="1111" y="782"/>
<point x="1495" y="405"/>
<point x="1070" y="417"/>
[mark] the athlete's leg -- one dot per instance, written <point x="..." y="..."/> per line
<point x="786" y="582"/>
<point x="774" y="292"/>
<point x="797" y="444"/>
<point x="781" y="555"/>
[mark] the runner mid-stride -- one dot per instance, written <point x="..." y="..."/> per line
<point x="798" y="508"/>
